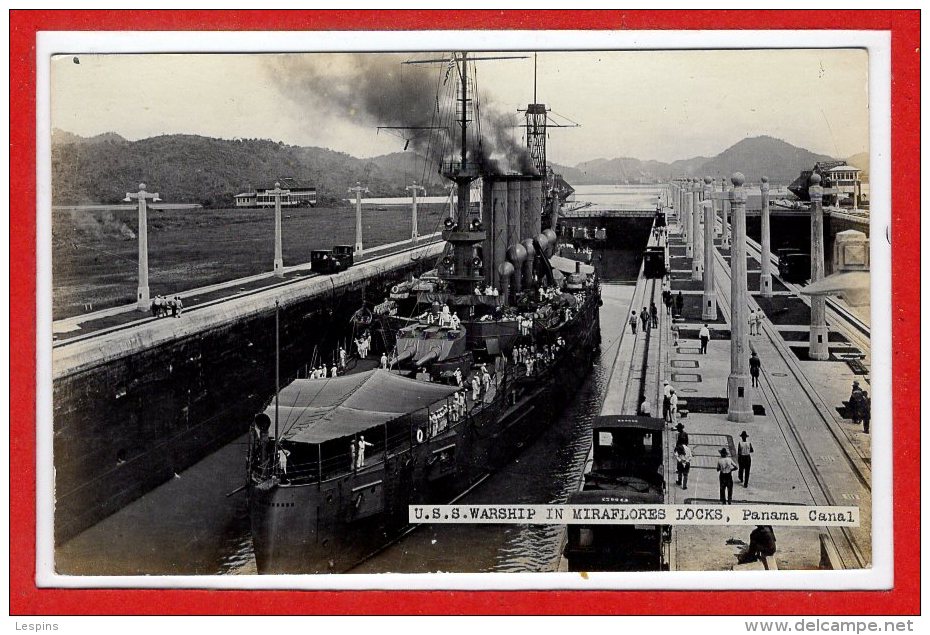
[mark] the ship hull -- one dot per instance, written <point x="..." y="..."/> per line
<point x="331" y="526"/>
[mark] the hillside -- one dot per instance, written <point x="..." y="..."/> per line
<point x="195" y="169"/>
<point x="860" y="161"/>
<point x="188" y="168"/>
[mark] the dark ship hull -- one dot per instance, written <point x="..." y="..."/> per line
<point x="332" y="524"/>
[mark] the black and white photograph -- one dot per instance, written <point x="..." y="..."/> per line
<point x="513" y="309"/>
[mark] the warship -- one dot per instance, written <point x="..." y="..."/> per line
<point x="480" y="355"/>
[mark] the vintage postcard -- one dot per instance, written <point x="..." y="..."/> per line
<point x="556" y="310"/>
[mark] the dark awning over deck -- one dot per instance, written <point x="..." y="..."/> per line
<point x="317" y="410"/>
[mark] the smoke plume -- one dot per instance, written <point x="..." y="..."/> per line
<point x="108" y="226"/>
<point x="378" y="90"/>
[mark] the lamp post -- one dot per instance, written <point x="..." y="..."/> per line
<point x="697" y="232"/>
<point x="765" y="277"/>
<point x="358" y="189"/>
<point x="819" y="335"/>
<point x="739" y="402"/>
<point x="277" y="192"/>
<point x="709" y="301"/>
<point x="413" y="189"/>
<point x="143" y="301"/>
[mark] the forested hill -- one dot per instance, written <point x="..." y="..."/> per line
<point x="194" y="169"/>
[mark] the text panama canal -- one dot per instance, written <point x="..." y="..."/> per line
<point x="499" y="336"/>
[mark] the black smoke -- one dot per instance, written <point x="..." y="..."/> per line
<point x="376" y="89"/>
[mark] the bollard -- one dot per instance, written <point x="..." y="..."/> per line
<point x="738" y="383"/>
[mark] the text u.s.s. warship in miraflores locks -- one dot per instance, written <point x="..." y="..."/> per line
<point x="466" y="366"/>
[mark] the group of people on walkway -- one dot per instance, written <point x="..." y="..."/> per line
<point x="648" y="317"/>
<point x="756" y="316"/>
<point x="860" y="406"/>
<point x="674" y="304"/>
<point x="162" y="306"/>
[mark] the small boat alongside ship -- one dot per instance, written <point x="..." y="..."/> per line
<point x="480" y="356"/>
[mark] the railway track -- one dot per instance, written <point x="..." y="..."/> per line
<point x="812" y="468"/>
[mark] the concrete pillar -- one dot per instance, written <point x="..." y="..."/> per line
<point x="681" y="209"/>
<point x="143" y="298"/>
<point x="697" y="231"/>
<point x="689" y="246"/>
<point x="738" y="383"/>
<point x="727" y="236"/>
<point x="142" y="292"/>
<point x="358" y="189"/>
<point x="709" y="300"/>
<point x="277" y="192"/>
<point x="765" y="278"/>
<point x="819" y="348"/>
<point x="414" y="190"/>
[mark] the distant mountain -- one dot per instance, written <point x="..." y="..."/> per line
<point x="754" y="157"/>
<point x="860" y="161"/>
<point x="762" y="156"/>
<point x="195" y="169"/>
<point x="60" y="137"/>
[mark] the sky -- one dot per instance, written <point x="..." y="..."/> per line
<point x="662" y="105"/>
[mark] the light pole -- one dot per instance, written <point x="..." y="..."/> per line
<point x="143" y="302"/>
<point x="277" y="192"/>
<point x="358" y="189"/>
<point x="739" y="402"/>
<point x="413" y="189"/>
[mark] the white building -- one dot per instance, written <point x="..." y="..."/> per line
<point x="298" y="195"/>
<point x="846" y="179"/>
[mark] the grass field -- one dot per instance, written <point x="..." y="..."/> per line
<point x="95" y="253"/>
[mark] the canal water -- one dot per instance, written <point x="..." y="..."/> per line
<point x="195" y="525"/>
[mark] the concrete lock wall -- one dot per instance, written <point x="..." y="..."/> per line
<point x="130" y="422"/>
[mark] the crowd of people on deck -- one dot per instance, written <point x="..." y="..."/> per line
<point x="487" y="290"/>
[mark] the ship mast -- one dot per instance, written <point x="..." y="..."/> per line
<point x="463" y="268"/>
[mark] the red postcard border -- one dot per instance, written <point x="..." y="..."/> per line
<point x="904" y="598"/>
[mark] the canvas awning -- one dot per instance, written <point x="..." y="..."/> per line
<point x="317" y="410"/>
<point x="567" y="265"/>
<point x="853" y="286"/>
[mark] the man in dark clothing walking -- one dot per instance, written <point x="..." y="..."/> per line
<point x="644" y="316"/>
<point x="654" y="313"/>
<point x="754" y="365"/>
<point x="865" y="411"/>
<point x="679" y="304"/>
<point x="855" y="403"/>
